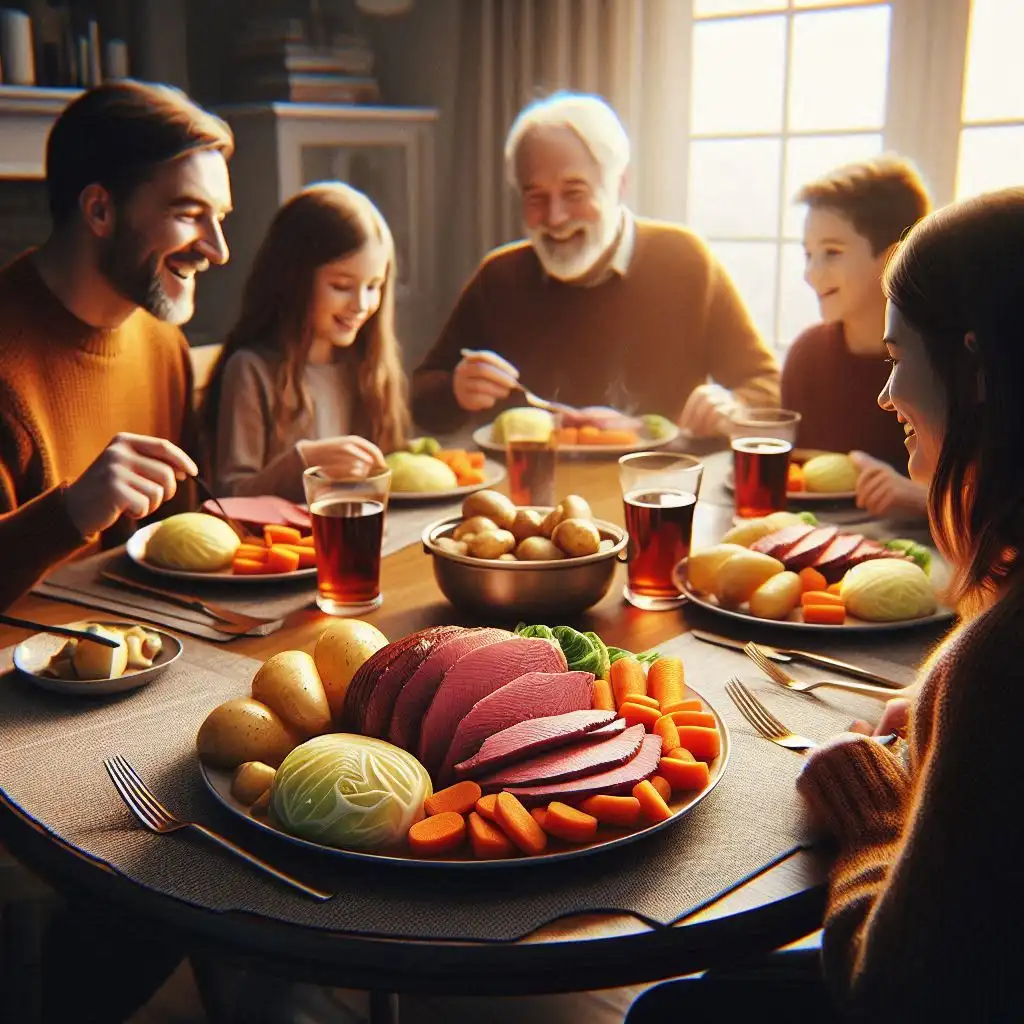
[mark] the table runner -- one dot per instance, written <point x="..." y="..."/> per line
<point x="51" y="754"/>
<point x="78" y="582"/>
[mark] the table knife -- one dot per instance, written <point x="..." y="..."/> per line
<point x="786" y="654"/>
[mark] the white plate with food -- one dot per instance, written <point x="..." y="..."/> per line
<point x="219" y="783"/>
<point x="811" y="497"/>
<point x="139" y="541"/>
<point x="85" y="669"/>
<point x="494" y="473"/>
<point x="484" y="438"/>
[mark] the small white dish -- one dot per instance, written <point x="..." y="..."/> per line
<point x="31" y="656"/>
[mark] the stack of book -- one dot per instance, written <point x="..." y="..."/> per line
<point x="276" y="61"/>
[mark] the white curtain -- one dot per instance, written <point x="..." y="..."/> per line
<point x="634" y="53"/>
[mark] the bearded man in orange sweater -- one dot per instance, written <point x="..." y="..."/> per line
<point x="597" y="306"/>
<point x="95" y="381"/>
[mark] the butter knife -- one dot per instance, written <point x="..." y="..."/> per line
<point x="786" y="654"/>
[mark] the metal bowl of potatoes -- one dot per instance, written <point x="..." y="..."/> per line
<point x="521" y="571"/>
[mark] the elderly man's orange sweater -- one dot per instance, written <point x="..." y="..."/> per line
<point x="640" y="341"/>
<point x="65" y="390"/>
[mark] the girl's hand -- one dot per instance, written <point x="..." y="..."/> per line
<point x="884" y="492"/>
<point x="349" y="455"/>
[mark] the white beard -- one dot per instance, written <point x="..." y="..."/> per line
<point x="574" y="259"/>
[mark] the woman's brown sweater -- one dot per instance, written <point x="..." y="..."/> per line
<point x="925" y="915"/>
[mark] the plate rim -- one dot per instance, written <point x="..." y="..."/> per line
<point x="136" y="549"/>
<point x="943" y="614"/>
<point x="425" y="497"/>
<point x="729" y="483"/>
<point x="208" y="775"/>
<point x="644" y="444"/>
<point x="101" y="687"/>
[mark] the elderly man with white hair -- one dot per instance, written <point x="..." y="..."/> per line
<point x="597" y="307"/>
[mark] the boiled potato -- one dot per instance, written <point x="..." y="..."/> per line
<point x="94" y="661"/>
<point x="577" y="537"/>
<point x="453" y="546"/>
<point x="777" y="596"/>
<point x="538" y="549"/>
<point x="551" y="520"/>
<point x="289" y="684"/>
<point x="473" y="525"/>
<point x="741" y="574"/>
<point x="780" y="520"/>
<point x="575" y="507"/>
<point x="252" y="779"/>
<point x="261" y="808"/>
<point x="606" y="545"/>
<point x="492" y="544"/>
<point x="507" y="557"/>
<point x="749" y="532"/>
<point x="702" y="566"/>
<point x="340" y="650"/>
<point x="493" y="506"/>
<point x="241" y="730"/>
<point x="526" y="524"/>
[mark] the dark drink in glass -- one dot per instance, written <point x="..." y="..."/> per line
<point x="761" y="466"/>
<point x="347" y="536"/>
<point x="660" y="524"/>
<point x="531" y="472"/>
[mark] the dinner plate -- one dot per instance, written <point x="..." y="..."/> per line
<point x="136" y="549"/>
<point x="31" y="656"/>
<point x="795" y="622"/>
<point x="219" y="783"/>
<point x="811" y="497"/>
<point x="483" y="437"/>
<point x="494" y="473"/>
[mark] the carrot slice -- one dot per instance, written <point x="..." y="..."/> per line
<point x="248" y="567"/>
<point x="487" y="840"/>
<point x="665" y="680"/>
<point x="519" y="825"/>
<point x="684" y="775"/>
<point x="644" y="699"/>
<point x="704" y="744"/>
<point x="274" y="534"/>
<point x="795" y="478"/>
<point x="306" y="542"/>
<point x="601" y="696"/>
<point x="812" y="580"/>
<point x="665" y="727"/>
<point x="662" y="785"/>
<point x="682" y="705"/>
<point x="567" y="435"/>
<point x="257" y="552"/>
<point x="825" y="614"/>
<point x="539" y="815"/>
<point x="612" y="810"/>
<point x="569" y="824"/>
<point x="682" y="754"/>
<point x="819" y="597"/>
<point x="623" y="437"/>
<point x="307" y="556"/>
<point x="834" y="588"/>
<point x="461" y="798"/>
<point x="652" y="805"/>
<point x="627" y="676"/>
<point x="437" y="834"/>
<point x="638" y="714"/>
<point x="487" y="806"/>
<point x="701" y="718"/>
<point x="476" y="459"/>
<point x="282" y="559"/>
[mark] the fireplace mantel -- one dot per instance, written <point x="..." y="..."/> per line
<point x="26" y="115"/>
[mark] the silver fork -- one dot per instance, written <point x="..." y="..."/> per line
<point x="763" y="720"/>
<point x="783" y="678"/>
<point x="154" y="816"/>
<point x="531" y="398"/>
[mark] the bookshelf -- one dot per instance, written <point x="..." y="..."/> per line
<point x="26" y="115"/>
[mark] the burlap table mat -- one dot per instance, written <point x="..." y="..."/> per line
<point x="79" y="582"/>
<point x="51" y="755"/>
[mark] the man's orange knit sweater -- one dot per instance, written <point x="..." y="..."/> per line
<point x="925" y="910"/>
<point x="640" y="341"/>
<point x="65" y="390"/>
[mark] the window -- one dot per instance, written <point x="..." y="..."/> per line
<point x="781" y="92"/>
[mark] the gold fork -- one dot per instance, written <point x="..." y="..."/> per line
<point x="763" y="720"/>
<point x="783" y="678"/>
<point x="154" y="816"/>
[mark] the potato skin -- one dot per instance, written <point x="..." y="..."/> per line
<point x="491" y="504"/>
<point x="777" y="596"/>
<point x="577" y="537"/>
<point x="242" y="730"/>
<point x="473" y="525"/>
<point x="527" y="524"/>
<point x="538" y="549"/>
<point x="575" y="507"/>
<point x="289" y="684"/>
<point x="741" y="574"/>
<point x="492" y="544"/>
<point x="252" y="779"/>
<point x="702" y="566"/>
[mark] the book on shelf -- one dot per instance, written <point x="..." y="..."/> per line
<point x="298" y="88"/>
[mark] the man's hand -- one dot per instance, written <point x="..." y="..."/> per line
<point x="884" y="492"/>
<point x="481" y="379"/>
<point x="348" y="455"/>
<point x="707" y="411"/>
<point x="134" y="475"/>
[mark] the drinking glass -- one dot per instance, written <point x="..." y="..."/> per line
<point x="761" y="441"/>
<point x="530" y="461"/>
<point x="348" y="530"/>
<point x="659" y="493"/>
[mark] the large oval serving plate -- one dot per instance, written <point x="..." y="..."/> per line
<point x="494" y="473"/>
<point x="136" y="549"/>
<point x="219" y="784"/>
<point x="31" y="656"/>
<point x="795" y="623"/>
<point x="483" y="437"/>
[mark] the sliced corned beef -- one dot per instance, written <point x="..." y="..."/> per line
<point x="567" y="763"/>
<point x="781" y="542"/>
<point x="525" y="737"/>
<point x="391" y="680"/>
<point x="835" y="559"/>
<point x="868" y="550"/>
<point x="359" y="688"/>
<point x="419" y="689"/>
<point x="615" y="781"/>
<point x="611" y="729"/>
<point x="806" y="551"/>
<point x="472" y="678"/>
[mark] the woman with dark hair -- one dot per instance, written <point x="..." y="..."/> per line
<point x="925" y="904"/>
<point x="311" y="371"/>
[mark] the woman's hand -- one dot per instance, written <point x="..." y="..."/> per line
<point x="349" y="455"/>
<point x="884" y="492"/>
<point x="895" y="719"/>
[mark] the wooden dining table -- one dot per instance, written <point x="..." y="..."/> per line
<point x="778" y="906"/>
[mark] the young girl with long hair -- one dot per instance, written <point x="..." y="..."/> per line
<point x="925" y="903"/>
<point x="311" y="372"/>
